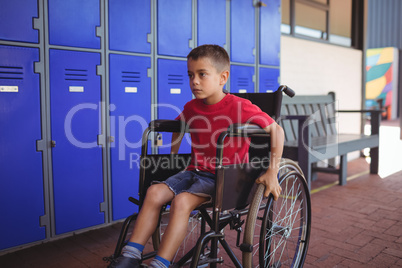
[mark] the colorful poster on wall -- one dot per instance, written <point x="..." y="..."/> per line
<point x="382" y="80"/>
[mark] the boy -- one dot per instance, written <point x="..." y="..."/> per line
<point x="210" y="113"/>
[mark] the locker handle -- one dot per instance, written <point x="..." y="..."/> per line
<point x="52" y="144"/>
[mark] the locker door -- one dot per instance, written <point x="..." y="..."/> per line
<point x="212" y="22"/>
<point x="241" y="79"/>
<point x="130" y="113"/>
<point x="16" y="22"/>
<point x="173" y="93"/>
<point x="77" y="159"/>
<point x="174" y="27"/>
<point x="74" y="22"/>
<point x="269" y="79"/>
<point x="270" y="33"/>
<point x="21" y="174"/>
<point x="242" y="31"/>
<point x="129" y="25"/>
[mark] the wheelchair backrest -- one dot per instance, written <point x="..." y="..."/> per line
<point x="269" y="103"/>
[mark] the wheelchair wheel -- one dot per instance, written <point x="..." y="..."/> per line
<point x="278" y="231"/>
<point x="194" y="232"/>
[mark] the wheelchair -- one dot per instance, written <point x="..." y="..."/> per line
<point x="275" y="233"/>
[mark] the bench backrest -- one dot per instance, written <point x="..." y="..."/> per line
<point x="320" y="108"/>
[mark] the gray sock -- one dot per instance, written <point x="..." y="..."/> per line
<point x="131" y="252"/>
<point x="157" y="264"/>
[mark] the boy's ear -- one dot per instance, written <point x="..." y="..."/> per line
<point x="224" y="77"/>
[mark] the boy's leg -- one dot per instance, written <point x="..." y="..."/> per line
<point x="147" y="220"/>
<point x="182" y="205"/>
<point x="148" y="217"/>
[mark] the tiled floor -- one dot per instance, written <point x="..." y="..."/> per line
<point x="357" y="225"/>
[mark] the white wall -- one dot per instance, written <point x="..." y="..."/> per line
<point x="316" y="68"/>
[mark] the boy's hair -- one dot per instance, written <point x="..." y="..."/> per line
<point x="217" y="54"/>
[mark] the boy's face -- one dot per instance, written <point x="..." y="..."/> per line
<point x="206" y="82"/>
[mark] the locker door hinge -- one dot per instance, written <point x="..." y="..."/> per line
<point x="99" y="31"/>
<point x="37" y="23"/>
<point x="100" y="70"/>
<point x="38" y="67"/>
<point x="101" y="140"/>
<point x="40" y="145"/>
<point x="103" y="207"/>
<point x="44" y="221"/>
<point x="149" y="72"/>
<point x="149" y="38"/>
<point x="191" y="43"/>
<point x="254" y="51"/>
<point x="254" y="78"/>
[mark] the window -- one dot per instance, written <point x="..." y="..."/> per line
<point x="327" y="20"/>
<point x="340" y="15"/>
<point x="310" y="21"/>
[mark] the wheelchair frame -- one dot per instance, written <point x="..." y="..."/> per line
<point x="238" y="206"/>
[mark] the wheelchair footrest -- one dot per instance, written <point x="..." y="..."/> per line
<point x="134" y="200"/>
<point x="246" y="247"/>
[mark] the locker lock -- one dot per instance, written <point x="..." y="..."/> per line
<point x="52" y="144"/>
<point x="158" y="139"/>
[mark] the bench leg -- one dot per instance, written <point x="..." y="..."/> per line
<point x="343" y="169"/>
<point x="305" y="166"/>
<point x="374" y="160"/>
<point x="313" y="172"/>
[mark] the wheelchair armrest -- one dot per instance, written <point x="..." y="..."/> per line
<point x="246" y="129"/>
<point x="168" y="126"/>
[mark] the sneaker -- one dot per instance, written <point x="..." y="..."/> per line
<point x="125" y="262"/>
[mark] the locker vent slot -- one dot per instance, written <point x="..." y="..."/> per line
<point x="242" y="82"/>
<point x="76" y="75"/>
<point x="269" y="83"/>
<point x="130" y="77"/>
<point x="11" y="72"/>
<point x="175" y="79"/>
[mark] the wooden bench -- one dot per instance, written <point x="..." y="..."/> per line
<point x="311" y="136"/>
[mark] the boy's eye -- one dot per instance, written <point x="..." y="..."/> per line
<point x="203" y="74"/>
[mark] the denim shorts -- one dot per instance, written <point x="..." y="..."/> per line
<point x="196" y="182"/>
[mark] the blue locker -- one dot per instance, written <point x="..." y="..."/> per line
<point x="129" y="25"/>
<point x="173" y="93"/>
<point x="242" y="31"/>
<point x="174" y="27"/>
<point x="270" y="33"/>
<point x="212" y="22"/>
<point x="130" y="114"/>
<point x="73" y="23"/>
<point x="75" y="92"/>
<point x="16" y="22"/>
<point x="269" y="79"/>
<point x="21" y="174"/>
<point x="241" y="79"/>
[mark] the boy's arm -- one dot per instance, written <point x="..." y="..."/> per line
<point x="270" y="178"/>
<point x="176" y="141"/>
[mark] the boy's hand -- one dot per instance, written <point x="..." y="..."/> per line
<point x="270" y="180"/>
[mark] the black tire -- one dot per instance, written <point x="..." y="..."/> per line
<point x="279" y="230"/>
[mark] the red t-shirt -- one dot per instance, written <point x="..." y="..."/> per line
<point x="207" y="122"/>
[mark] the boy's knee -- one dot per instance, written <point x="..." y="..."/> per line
<point x="183" y="203"/>
<point x="157" y="194"/>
